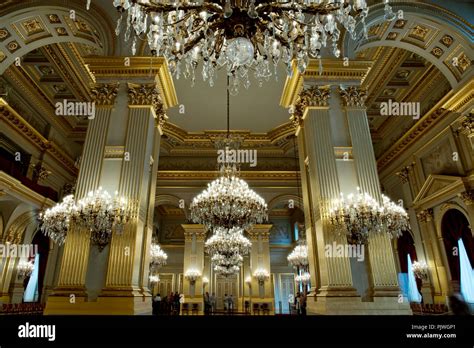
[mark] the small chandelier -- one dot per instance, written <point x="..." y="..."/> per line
<point x="101" y="214"/>
<point x="420" y="268"/>
<point x="244" y="37"/>
<point x="261" y="275"/>
<point x="303" y="278"/>
<point x="154" y="278"/>
<point x="25" y="268"/>
<point x="192" y="275"/>
<point x="157" y="257"/>
<point x="298" y="258"/>
<point x="359" y="215"/>
<point x="55" y="220"/>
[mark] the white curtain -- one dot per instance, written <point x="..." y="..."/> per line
<point x="413" y="294"/>
<point x="31" y="292"/>
<point x="467" y="274"/>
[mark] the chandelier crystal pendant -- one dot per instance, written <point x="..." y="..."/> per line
<point x="303" y="278"/>
<point x="420" y="268"/>
<point x="154" y="278"/>
<point x="261" y="275"/>
<point x="25" y="268"/>
<point x="243" y="37"/>
<point x="192" y="275"/>
<point x="357" y="216"/>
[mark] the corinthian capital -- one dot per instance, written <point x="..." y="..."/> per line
<point x="353" y="96"/>
<point x="312" y="96"/>
<point x="147" y="95"/>
<point x="104" y="93"/>
<point x="467" y="197"/>
<point x="425" y="215"/>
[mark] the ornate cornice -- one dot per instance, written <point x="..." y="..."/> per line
<point x="425" y="215"/>
<point x="25" y="129"/>
<point x="114" y="67"/>
<point x="105" y="93"/>
<point x="353" y="96"/>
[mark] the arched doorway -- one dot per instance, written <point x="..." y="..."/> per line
<point x="455" y="226"/>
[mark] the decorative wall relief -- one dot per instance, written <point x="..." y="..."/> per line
<point x="440" y="160"/>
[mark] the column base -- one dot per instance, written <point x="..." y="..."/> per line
<point x="343" y="305"/>
<point x="106" y="305"/>
<point x="386" y="291"/>
<point x="336" y="291"/>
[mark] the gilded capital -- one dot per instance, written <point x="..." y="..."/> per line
<point x="467" y="125"/>
<point x="353" y="96"/>
<point x="467" y="197"/>
<point x="311" y="96"/>
<point x="105" y="93"/>
<point x="403" y="174"/>
<point x="425" y="215"/>
<point x="148" y="95"/>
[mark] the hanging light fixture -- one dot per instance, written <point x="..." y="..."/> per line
<point x="25" y="268"/>
<point x="243" y="36"/>
<point x="298" y="258"/>
<point x="55" y="220"/>
<point x="228" y="201"/>
<point x="157" y="257"/>
<point x="357" y="216"/>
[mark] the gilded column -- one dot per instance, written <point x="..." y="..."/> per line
<point x="74" y="262"/>
<point x="194" y="236"/>
<point x="260" y="260"/>
<point x="334" y="272"/>
<point x="382" y="262"/>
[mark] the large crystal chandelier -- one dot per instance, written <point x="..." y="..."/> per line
<point x="98" y="213"/>
<point x="243" y="36"/>
<point x="356" y="216"/>
<point x="55" y="220"/>
<point x="101" y="214"/>
<point x="157" y="257"/>
<point x="298" y="258"/>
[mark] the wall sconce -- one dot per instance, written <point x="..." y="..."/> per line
<point x="261" y="275"/>
<point x="248" y="281"/>
<point x="205" y="281"/>
<point x="192" y="275"/>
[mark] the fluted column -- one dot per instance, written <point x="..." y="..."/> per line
<point x="382" y="262"/>
<point x="260" y="259"/>
<point x="120" y="154"/>
<point x="334" y="272"/>
<point x="194" y="236"/>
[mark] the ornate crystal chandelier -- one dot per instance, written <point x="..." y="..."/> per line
<point x="157" y="257"/>
<point x="55" y="220"/>
<point x="98" y="213"/>
<point x="420" y="268"/>
<point x="303" y="278"/>
<point x="359" y="215"/>
<point x="25" y="268"/>
<point x="227" y="248"/>
<point x="154" y="278"/>
<point x="298" y="258"/>
<point x="243" y="36"/>
<point x="101" y="214"/>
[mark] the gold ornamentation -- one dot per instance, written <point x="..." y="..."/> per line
<point x="373" y="30"/>
<point x="148" y="94"/>
<point x="2" y="56"/>
<point x="40" y="172"/>
<point x="463" y="62"/>
<point x="32" y="26"/>
<point x="404" y="174"/>
<point x="419" y="32"/>
<point x="13" y="46"/>
<point x="425" y="215"/>
<point x="61" y="31"/>
<point x="467" y="197"/>
<point x="4" y="34"/>
<point x="54" y="19"/>
<point x="312" y="96"/>
<point x="399" y="24"/>
<point x="467" y="125"/>
<point x="392" y="36"/>
<point x="437" y="52"/>
<point x="353" y="96"/>
<point x="447" y="40"/>
<point x="104" y="94"/>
